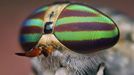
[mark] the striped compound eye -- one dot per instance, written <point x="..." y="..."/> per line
<point x="32" y="29"/>
<point x="80" y="28"/>
<point x="83" y="29"/>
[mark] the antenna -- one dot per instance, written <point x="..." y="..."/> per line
<point x="52" y="13"/>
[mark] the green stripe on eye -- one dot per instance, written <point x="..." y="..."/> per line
<point x="81" y="8"/>
<point x="30" y="37"/>
<point x="66" y="20"/>
<point x="40" y="9"/>
<point x="33" y="22"/>
<point x="85" y="35"/>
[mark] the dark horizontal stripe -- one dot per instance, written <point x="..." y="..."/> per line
<point x="90" y="46"/>
<point x="28" y="46"/>
<point x="38" y="15"/>
<point x="31" y="29"/>
<point x="84" y="27"/>
<point x="67" y="13"/>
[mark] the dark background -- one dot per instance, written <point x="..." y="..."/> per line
<point x="13" y="12"/>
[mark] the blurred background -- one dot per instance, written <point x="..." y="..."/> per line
<point x="12" y="14"/>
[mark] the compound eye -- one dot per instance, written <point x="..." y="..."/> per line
<point x="32" y="29"/>
<point x="48" y="27"/>
<point x="84" y="29"/>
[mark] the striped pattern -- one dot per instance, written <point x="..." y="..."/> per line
<point x="83" y="29"/>
<point x="76" y="13"/>
<point x="75" y="19"/>
<point x="32" y="29"/>
<point x="86" y="46"/>
<point x="80" y="28"/>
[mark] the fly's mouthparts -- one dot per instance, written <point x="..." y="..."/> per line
<point x="32" y="53"/>
<point x="45" y="50"/>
